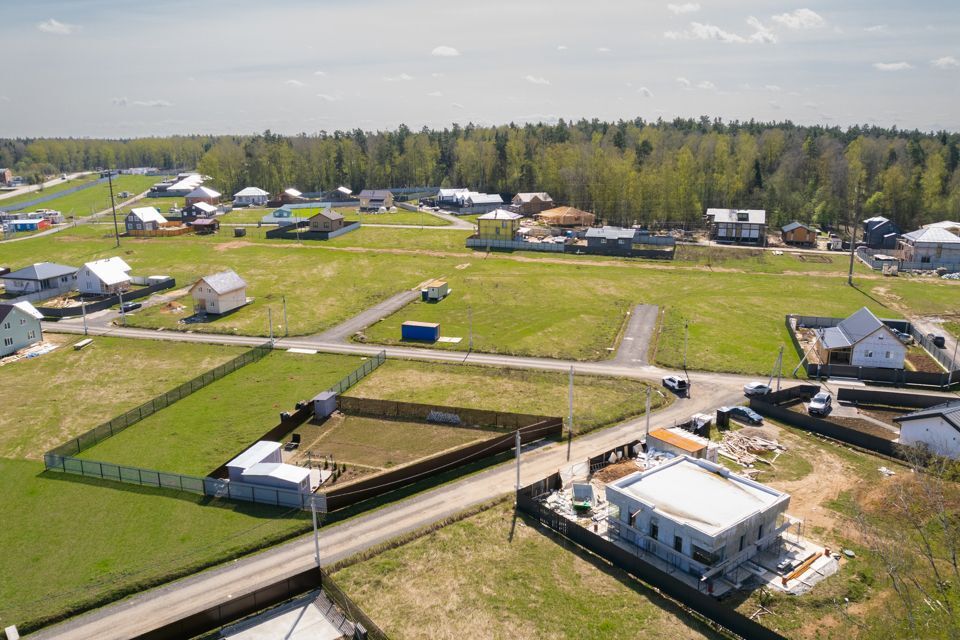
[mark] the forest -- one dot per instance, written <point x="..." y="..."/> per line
<point x="627" y="171"/>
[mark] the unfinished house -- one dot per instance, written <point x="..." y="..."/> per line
<point x="530" y="204"/>
<point x="861" y="340"/>
<point x="697" y="516"/>
<point x="738" y="226"/>
<point x="931" y="248"/>
<point x="679" y="442"/>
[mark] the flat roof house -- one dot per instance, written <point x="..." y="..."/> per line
<point x="46" y="277"/>
<point x="738" y="226"/>
<point x="375" y="199"/>
<point x="326" y="221"/>
<point x="19" y="327"/>
<point x="861" y="340"/>
<point x="219" y="293"/>
<point x="278" y="475"/>
<point x="104" y="277"/>
<point x="531" y="203"/>
<point x="936" y="428"/>
<point x="260" y="452"/>
<point x="931" y="247"/>
<point x="250" y="196"/>
<point x="880" y="233"/>
<point x="797" y="233"/>
<point x="498" y="224"/>
<point x="697" y="515"/>
<point x="144" y="219"/>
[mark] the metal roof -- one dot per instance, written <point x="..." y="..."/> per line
<point x="250" y="191"/>
<point x="257" y="453"/>
<point x="148" y="214"/>
<point x="482" y="198"/>
<point x="675" y="440"/>
<point x="611" y="233"/>
<point x="277" y="470"/>
<point x="329" y="214"/>
<point x="795" y="225"/>
<point x="109" y="271"/>
<point x="528" y="197"/>
<point x="23" y="307"/>
<point x="936" y="235"/>
<point x="203" y="192"/>
<point x="41" y="271"/>
<point x="851" y="330"/>
<point x="375" y="194"/>
<point x="753" y="216"/>
<point x="292" y="192"/>
<point x="500" y="214"/>
<point x="949" y="411"/>
<point x="205" y="207"/>
<point x="223" y="282"/>
<point x="450" y="193"/>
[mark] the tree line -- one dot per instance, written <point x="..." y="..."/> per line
<point x="630" y="171"/>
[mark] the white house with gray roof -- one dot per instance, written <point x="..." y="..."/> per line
<point x="219" y="293"/>
<point x="40" y="280"/>
<point x="19" y="327"/>
<point x="937" y="428"/>
<point x="933" y="246"/>
<point x="861" y="340"/>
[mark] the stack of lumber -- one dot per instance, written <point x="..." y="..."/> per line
<point x="744" y="448"/>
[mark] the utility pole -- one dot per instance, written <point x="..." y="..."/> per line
<point x="517" y="446"/>
<point x="316" y="532"/>
<point x="286" y="327"/>
<point x="270" y="321"/>
<point x="470" y="321"/>
<point x="570" y="419"/>
<point x="123" y="316"/>
<point x="113" y="204"/>
<point x="649" y="391"/>
<point x="83" y="309"/>
<point x="686" y="328"/>
<point x="853" y="244"/>
<point x="954" y="366"/>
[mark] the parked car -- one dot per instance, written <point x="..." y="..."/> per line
<point x="905" y="337"/>
<point x="678" y="385"/>
<point x="938" y="341"/>
<point x="744" y="414"/>
<point x="756" y="389"/>
<point x="820" y="404"/>
<point x="127" y="307"/>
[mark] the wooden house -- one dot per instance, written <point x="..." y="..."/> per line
<point x="530" y="204"/>
<point x="797" y="233"/>
<point x="326" y="221"/>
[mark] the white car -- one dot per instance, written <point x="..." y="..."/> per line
<point x="820" y="404"/>
<point x="756" y="389"/>
<point x="676" y="384"/>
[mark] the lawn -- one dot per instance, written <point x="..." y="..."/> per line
<point x="597" y="401"/>
<point x="73" y="391"/>
<point x="402" y="216"/>
<point x="162" y="204"/>
<point x="246" y="215"/>
<point x="494" y="576"/>
<point x="97" y="198"/>
<point x="952" y="327"/>
<point x="79" y="541"/>
<point x="57" y="188"/>
<point x="206" y="429"/>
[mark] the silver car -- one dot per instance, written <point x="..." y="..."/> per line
<point x="821" y="404"/>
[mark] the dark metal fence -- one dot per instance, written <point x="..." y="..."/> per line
<point x="121" y="422"/>
<point x="418" y="411"/>
<point x="877" y="397"/>
<point x="355" y="376"/>
<point x="106" y="303"/>
<point x="703" y="604"/>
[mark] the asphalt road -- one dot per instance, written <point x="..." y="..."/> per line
<point x="364" y="319"/>
<point x="636" y="337"/>
<point x="151" y="609"/>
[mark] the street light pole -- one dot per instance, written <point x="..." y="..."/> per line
<point x="113" y="204"/>
<point x="286" y="327"/>
<point x="470" y="320"/>
<point x="83" y="309"/>
<point x="270" y="321"/>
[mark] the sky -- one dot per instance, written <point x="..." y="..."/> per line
<point x="125" y="68"/>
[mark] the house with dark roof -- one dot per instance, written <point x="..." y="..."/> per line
<point x="375" y="199"/>
<point x="880" y="233"/>
<point x="610" y="240"/>
<point x="48" y="279"/>
<point x="738" y="226"/>
<point x="799" y="234"/>
<point x="219" y="293"/>
<point x="861" y="340"/>
<point x="936" y="428"/>
<point x="19" y="327"/>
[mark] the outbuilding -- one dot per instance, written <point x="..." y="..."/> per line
<point x="610" y="240"/>
<point x="205" y="226"/>
<point x="278" y="475"/>
<point x="261" y="452"/>
<point x="435" y="291"/>
<point x="682" y="443"/>
<point x="420" y="331"/>
<point x="250" y="197"/>
<point x="935" y="428"/>
<point x="219" y="293"/>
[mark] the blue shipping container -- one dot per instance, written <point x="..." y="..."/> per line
<point x="425" y="331"/>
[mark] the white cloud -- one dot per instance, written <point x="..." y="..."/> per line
<point x="403" y="77"/>
<point x="457" y="105"/>
<point x="683" y="82"/>
<point x="706" y="85"/>
<point x="774" y="104"/>
<point x="772" y="87"/>
<point x="4" y="98"/>
<point x="604" y="50"/>
<point x="877" y="28"/>
<point x="562" y="47"/>
<point x="892" y="66"/>
<point x="435" y="94"/>
<point x="295" y="83"/>
<point x="945" y="62"/>
<point x="701" y="31"/>
<point x="536" y="79"/>
<point x="327" y="97"/>
<point x="320" y="73"/>
<point x="646" y="93"/>
<point x="56" y="27"/>
<point x="686" y="7"/>
<point x="124" y="102"/>
<point x="443" y="51"/>
<point x="436" y="75"/>
<point x="800" y="19"/>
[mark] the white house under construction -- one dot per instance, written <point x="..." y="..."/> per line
<point x="697" y="515"/>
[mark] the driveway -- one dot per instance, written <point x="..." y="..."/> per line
<point x="364" y="319"/>
<point x="635" y="344"/>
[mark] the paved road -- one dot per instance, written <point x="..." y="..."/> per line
<point x="636" y="337"/>
<point x="926" y="324"/>
<point x="364" y="319"/>
<point x="30" y="188"/>
<point x="151" y="609"/>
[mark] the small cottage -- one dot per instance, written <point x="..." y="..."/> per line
<point x="610" y="240"/>
<point x="862" y="340"/>
<point x="250" y="197"/>
<point x="738" y="226"/>
<point x="326" y="221"/>
<point x="19" y="327"/>
<point x="47" y="277"/>
<point x="144" y="219"/>
<point x="205" y="226"/>
<point x="375" y="199"/>
<point x="498" y="224"/>
<point x="219" y="293"/>
<point x="530" y="204"/>
<point x="880" y="233"/>
<point x="799" y="234"/>
<point x="104" y="277"/>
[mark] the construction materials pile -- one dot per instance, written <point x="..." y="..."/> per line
<point x="746" y="446"/>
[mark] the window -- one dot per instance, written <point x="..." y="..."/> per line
<point x="678" y="544"/>
<point x="654" y="531"/>
<point x="31" y="335"/>
<point x="6" y="325"/>
<point x="23" y="321"/>
<point x="7" y="342"/>
<point x="759" y="532"/>
<point x="887" y="355"/>
<point x="742" y="540"/>
<point x="868" y="354"/>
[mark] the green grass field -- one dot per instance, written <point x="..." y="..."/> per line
<point x="206" y="429"/>
<point x="597" y="401"/>
<point x="92" y="386"/>
<point x="162" y="204"/>
<point x="57" y="188"/>
<point x="494" y="576"/>
<point x="402" y="216"/>
<point x="97" y="198"/>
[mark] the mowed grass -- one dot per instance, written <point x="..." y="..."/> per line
<point x="401" y="216"/>
<point x="57" y="188"/>
<point x="597" y="401"/>
<point x="71" y="542"/>
<point x="208" y="428"/>
<point x="97" y="198"/>
<point x="67" y="392"/>
<point x="162" y="205"/>
<point x="494" y="576"/>
<point x="371" y="442"/>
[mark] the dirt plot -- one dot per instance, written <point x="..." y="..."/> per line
<point x="813" y="257"/>
<point x="858" y="424"/>
<point x="367" y="445"/>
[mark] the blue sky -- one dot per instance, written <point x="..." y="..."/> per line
<point x="110" y="68"/>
